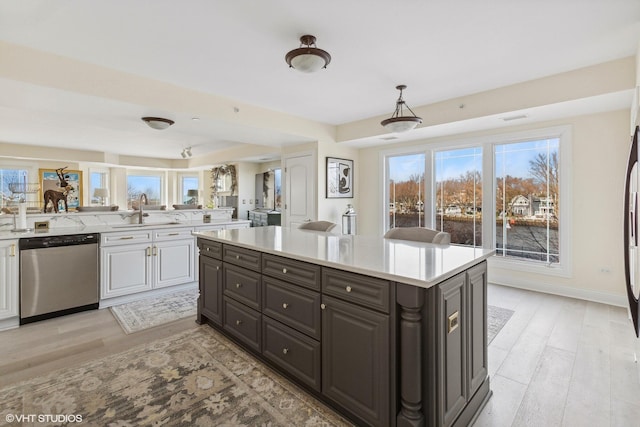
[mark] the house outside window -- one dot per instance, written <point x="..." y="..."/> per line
<point x="405" y="190"/>
<point x="527" y="193"/>
<point x="503" y="192"/>
<point x="458" y="204"/>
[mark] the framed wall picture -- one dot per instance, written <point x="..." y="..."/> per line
<point x="50" y="179"/>
<point x="339" y="178"/>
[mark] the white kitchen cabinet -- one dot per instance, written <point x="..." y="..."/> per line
<point x="125" y="269"/>
<point x="144" y="260"/>
<point x="174" y="262"/>
<point x="8" y="279"/>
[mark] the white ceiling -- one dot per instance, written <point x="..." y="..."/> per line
<point x="235" y="48"/>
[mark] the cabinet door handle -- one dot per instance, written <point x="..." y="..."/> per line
<point x="148" y="251"/>
<point x="126" y="238"/>
<point x="173" y="234"/>
<point x="208" y="249"/>
<point x="285" y="305"/>
<point x="238" y="285"/>
<point x="238" y="322"/>
<point x="12" y="252"/>
<point x="285" y="350"/>
<point x="217" y="267"/>
<point x="155" y="250"/>
<point x="452" y="323"/>
<point x="237" y="256"/>
<point x="322" y="306"/>
<point x="284" y="270"/>
<point x="348" y="288"/>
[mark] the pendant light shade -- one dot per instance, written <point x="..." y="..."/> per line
<point x="157" y="122"/>
<point x="398" y="122"/>
<point x="308" y="58"/>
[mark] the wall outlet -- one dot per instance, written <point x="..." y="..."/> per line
<point x="41" y="225"/>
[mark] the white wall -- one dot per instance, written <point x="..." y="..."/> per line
<point x="599" y="152"/>
<point x="332" y="209"/>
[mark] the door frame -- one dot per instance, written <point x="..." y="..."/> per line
<point x="313" y="181"/>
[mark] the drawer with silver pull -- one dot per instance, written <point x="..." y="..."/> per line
<point x="210" y="249"/>
<point x="292" y="305"/>
<point x="298" y="272"/>
<point x="240" y="256"/>
<point x="364" y="290"/>
<point x="172" y="234"/>
<point x="296" y="353"/>
<point x="243" y="323"/>
<point x="126" y="237"/>
<point x="242" y="285"/>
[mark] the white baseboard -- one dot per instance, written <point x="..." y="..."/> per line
<point x="110" y="302"/>
<point x="10" y="323"/>
<point x="583" y="294"/>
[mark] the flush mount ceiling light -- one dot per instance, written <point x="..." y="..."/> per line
<point x="186" y="152"/>
<point x="308" y="58"/>
<point x="398" y="122"/>
<point x="157" y="122"/>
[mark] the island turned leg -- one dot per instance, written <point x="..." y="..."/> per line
<point x="411" y="300"/>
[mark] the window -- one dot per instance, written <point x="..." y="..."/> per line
<point x="99" y="186"/>
<point x="527" y="200"/>
<point x="504" y="192"/>
<point x="459" y="194"/>
<point x="189" y="182"/>
<point x="277" y="174"/>
<point x="405" y="190"/>
<point x="12" y="186"/>
<point x="148" y="183"/>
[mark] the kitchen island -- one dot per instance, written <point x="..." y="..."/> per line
<point x="388" y="332"/>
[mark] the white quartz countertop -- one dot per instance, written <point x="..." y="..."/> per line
<point x="414" y="263"/>
<point x="111" y="228"/>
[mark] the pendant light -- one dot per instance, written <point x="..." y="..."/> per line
<point x="308" y="58"/>
<point x="398" y="122"/>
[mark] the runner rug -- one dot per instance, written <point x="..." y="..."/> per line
<point x="147" y="313"/>
<point x="497" y="317"/>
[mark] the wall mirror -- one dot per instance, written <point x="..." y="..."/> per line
<point x="224" y="180"/>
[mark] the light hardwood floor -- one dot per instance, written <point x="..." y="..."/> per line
<point x="562" y="362"/>
<point x="557" y="362"/>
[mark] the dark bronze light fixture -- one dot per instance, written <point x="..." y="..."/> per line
<point x="308" y="58"/>
<point x="398" y="122"/>
<point x="157" y="122"/>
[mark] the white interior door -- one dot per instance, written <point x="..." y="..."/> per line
<point x="300" y="195"/>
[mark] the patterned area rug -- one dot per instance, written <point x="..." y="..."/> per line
<point x="497" y="317"/>
<point x="195" y="378"/>
<point x="147" y="313"/>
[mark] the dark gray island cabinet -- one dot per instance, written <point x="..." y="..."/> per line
<point x="382" y="347"/>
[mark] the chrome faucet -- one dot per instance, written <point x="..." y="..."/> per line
<point x="141" y="214"/>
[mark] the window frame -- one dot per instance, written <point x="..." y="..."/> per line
<point x="181" y="178"/>
<point x="162" y="174"/>
<point x="32" y="177"/>
<point x="107" y="181"/>
<point x="429" y="217"/>
<point x="488" y="143"/>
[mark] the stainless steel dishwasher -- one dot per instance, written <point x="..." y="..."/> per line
<point x="58" y="276"/>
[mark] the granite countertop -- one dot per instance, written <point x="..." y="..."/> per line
<point x="414" y="263"/>
<point x="7" y="234"/>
